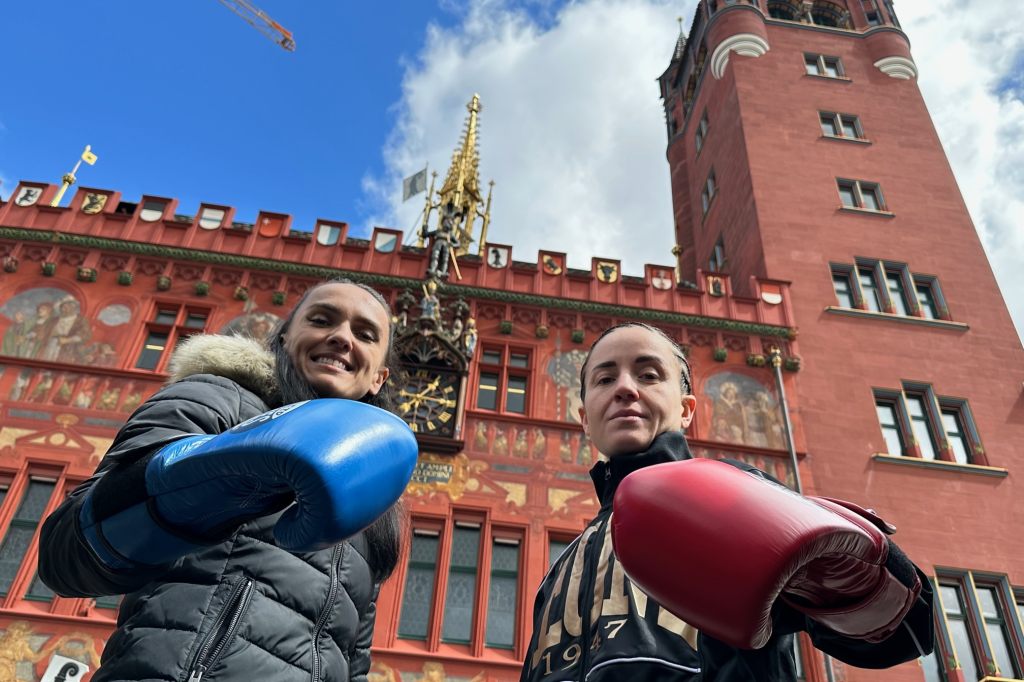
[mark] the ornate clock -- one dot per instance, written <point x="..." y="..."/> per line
<point x="428" y="401"/>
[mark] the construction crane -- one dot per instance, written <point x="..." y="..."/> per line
<point x="261" y="22"/>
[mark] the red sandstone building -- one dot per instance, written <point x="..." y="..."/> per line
<point x="787" y="121"/>
<point x="801" y="149"/>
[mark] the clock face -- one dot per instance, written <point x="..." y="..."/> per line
<point x="428" y="400"/>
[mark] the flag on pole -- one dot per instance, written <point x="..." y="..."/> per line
<point x="88" y="156"/>
<point x="414" y="184"/>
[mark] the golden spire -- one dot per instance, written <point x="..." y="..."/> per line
<point x="461" y="187"/>
<point x="462" y="181"/>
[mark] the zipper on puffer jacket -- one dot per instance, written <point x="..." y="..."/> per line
<point x="223" y="630"/>
<point x="332" y="594"/>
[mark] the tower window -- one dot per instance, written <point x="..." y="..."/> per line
<point x="702" y="131"/>
<point x="825" y="13"/>
<point x="959" y="631"/>
<point x="997" y="629"/>
<point x="871" y="12"/>
<point x="916" y="422"/>
<point x="822" y="65"/>
<point x="843" y="288"/>
<point x="977" y="634"/>
<point x="897" y="292"/>
<point x="869" y="289"/>
<point x="859" y="194"/>
<point x="890" y="287"/>
<point x="783" y="9"/>
<point x="710" y="190"/>
<point x="887" y="418"/>
<point x="717" y="261"/>
<point x="840" y="125"/>
<point x="927" y="298"/>
<point x="920" y="425"/>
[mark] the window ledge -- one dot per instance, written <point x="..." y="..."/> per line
<point x="940" y="464"/>
<point x="908" y="319"/>
<point x="841" y="79"/>
<point x="868" y="211"/>
<point x="844" y="138"/>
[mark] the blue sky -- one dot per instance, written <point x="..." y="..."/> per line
<point x="186" y="100"/>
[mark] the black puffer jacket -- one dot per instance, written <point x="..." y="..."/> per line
<point x="243" y="609"/>
<point x="591" y="623"/>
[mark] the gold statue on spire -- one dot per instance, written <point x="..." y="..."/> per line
<point x="459" y="200"/>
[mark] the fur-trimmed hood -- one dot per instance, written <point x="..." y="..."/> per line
<point x="239" y="358"/>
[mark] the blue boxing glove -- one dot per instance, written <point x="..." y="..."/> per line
<point x="343" y="463"/>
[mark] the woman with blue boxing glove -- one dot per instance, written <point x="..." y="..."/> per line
<point x="249" y="510"/>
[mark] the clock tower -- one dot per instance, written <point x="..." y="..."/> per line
<point x="435" y="347"/>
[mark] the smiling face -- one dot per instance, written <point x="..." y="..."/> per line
<point x="633" y="392"/>
<point x="338" y="341"/>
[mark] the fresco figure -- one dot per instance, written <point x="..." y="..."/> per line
<point x="66" y="334"/>
<point x="764" y="423"/>
<point x="727" y="415"/>
<point x="255" y="325"/>
<point x="744" y="411"/>
<point x="564" y="370"/>
<point x="15" y="342"/>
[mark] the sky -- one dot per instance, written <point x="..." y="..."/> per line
<point x="185" y="100"/>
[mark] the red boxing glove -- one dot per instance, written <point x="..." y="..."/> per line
<point x="717" y="546"/>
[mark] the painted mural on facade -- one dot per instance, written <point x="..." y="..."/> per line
<point x="47" y="323"/>
<point x="520" y="441"/>
<point x="743" y="411"/>
<point x="564" y="370"/>
<point x="28" y="655"/>
<point x="432" y="671"/>
<point x="70" y="389"/>
<point x="254" y="324"/>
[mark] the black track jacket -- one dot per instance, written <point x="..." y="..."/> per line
<point x="591" y="623"/>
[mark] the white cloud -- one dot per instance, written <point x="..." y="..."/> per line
<point x="964" y="53"/>
<point x="573" y="130"/>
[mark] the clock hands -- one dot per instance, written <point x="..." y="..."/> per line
<point x="447" y="402"/>
<point x="432" y="386"/>
<point x="416" y="399"/>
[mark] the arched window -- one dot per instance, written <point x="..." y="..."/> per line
<point x="825" y="13"/>
<point x="784" y="9"/>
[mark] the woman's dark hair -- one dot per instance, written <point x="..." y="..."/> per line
<point x="684" y="370"/>
<point x="384" y="536"/>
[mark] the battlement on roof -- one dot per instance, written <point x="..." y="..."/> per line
<point x="157" y="225"/>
